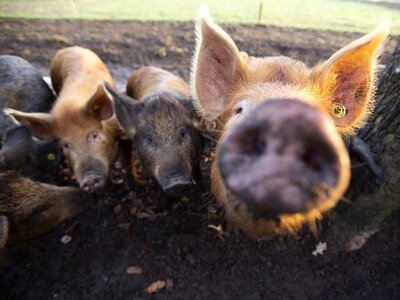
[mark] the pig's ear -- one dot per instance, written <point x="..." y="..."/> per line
<point x="4" y="227"/>
<point x="217" y="66"/>
<point x="41" y="124"/>
<point x="100" y="105"/>
<point x="348" y="80"/>
<point x="126" y="110"/>
<point x="17" y="145"/>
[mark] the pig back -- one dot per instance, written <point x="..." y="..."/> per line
<point x="21" y="86"/>
<point x="152" y="80"/>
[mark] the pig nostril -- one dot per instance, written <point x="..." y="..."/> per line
<point x="254" y="144"/>
<point x="177" y="189"/>
<point x="313" y="159"/>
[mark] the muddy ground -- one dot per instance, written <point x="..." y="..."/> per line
<point x="173" y="241"/>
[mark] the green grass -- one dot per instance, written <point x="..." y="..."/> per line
<point x="341" y="15"/>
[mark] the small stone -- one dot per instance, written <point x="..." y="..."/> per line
<point x="117" y="209"/>
<point x="66" y="239"/>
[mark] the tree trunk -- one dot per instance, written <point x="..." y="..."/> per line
<point x="373" y="204"/>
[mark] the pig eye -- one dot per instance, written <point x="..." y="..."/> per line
<point x="184" y="133"/>
<point x="51" y="156"/>
<point x="67" y="146"/>
<point x="238" y="110"/>
<point x="241" y="106"/>
<point x="93" y="136"/>
<point x="149" y="140"/>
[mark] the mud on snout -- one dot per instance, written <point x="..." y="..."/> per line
<point x="285" y="157"/>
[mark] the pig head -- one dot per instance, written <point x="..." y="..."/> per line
<point x="82" y="119"/>
<point x="164" y="137"/>
<point x="280" y="159"/>
<point x="30" y="209"/>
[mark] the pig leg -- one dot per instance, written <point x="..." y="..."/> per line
<point x="358" y="146"/>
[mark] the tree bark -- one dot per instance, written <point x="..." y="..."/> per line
<point x="373" y="204"/>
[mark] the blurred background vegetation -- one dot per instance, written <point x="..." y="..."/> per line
<point x="340" y="15"/>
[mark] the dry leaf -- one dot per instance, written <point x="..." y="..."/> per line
<point x="321" y="247"/>
<point x="134" y="270"/>
<point x="72" y="228"/>
<point x="125" y="226"/>
<point x="169" y="284"/>
<point x="219" y="229"/>
<point x="133" y="211"/>
<point x="117" y="209"/>
<point x="155" y="286"/>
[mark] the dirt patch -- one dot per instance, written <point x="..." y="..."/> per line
<point x="178" y="254"/>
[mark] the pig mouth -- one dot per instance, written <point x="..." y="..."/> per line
<point x="281" y="165"/>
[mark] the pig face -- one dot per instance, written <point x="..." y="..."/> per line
<point x="281" y="161"/>
<point x="88" y="141"/>
<point x="163" y="131"/>
<point x="46" y="157"/>
<point x="29" y="209"/>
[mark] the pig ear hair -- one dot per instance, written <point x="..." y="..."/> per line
<point x="100" y="104"/>
<point x="349" y="77"/>
<point x="4" y="227"/>
<point x="16" y="147"/>
<point x="217" y="66"/>
<point x="126" y="110"/>
<point x="39" y="123"/>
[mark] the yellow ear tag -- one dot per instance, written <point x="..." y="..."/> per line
<point x="338" y="110"/>
<point x="96" y="107"/>
<point x="51" y="156"/>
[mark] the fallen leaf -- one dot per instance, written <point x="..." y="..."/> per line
<point x="133" y="211"/>
<point x="143" y="215"/>
<point x="134" y="270"/>
<point x="169" y="284"/>
<point x="155" y="286"/>
<point x="321" y="247"/>
<point x="72" y="228"/>
<point x="125" y="226"/>
<point x="219" y="229"/>
<point x="117" y="209"/>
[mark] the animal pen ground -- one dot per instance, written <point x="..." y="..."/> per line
<point x="180" y="242"/>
